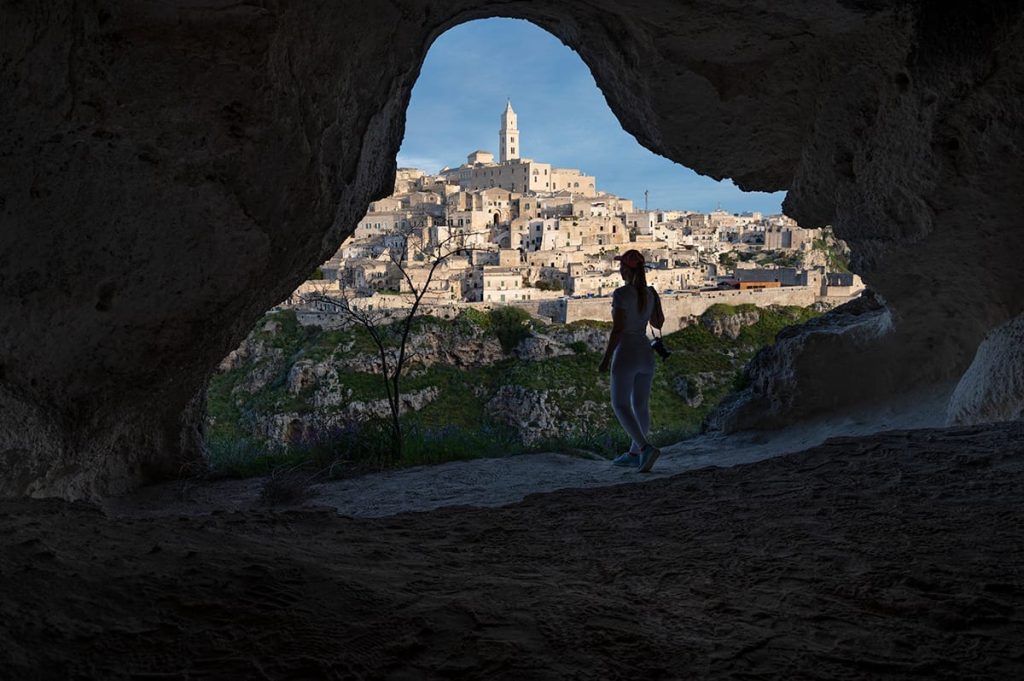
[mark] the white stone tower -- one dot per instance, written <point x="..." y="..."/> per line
<point x="508" y="144"/>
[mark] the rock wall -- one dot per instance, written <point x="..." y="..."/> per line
<point x="992" y="389"/>
<point x="841" y="350"/>
<point x="680" y="308"/>
<point x="172" y="170"/>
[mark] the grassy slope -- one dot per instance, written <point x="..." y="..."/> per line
<point x="456" y="424"/>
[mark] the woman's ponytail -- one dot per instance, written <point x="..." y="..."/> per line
<point x="640" y="284"/>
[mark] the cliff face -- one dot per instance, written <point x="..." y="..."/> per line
<point x="173" y="170"/>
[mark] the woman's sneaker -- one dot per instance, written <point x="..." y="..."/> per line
<point x="628" y="459"/>
<point x="648" y="456"/>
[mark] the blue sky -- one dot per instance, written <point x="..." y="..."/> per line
<point x="563" y="118"/>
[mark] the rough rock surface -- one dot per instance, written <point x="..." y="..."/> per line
<point x="895" y="556"/>
<point x="312" y="427"/>
<point x="537" y="348"/>
<point x="444" y="346"/>
<point x="729" y="325"/>
<point x="692" y="389"/>
<point x="806" y="371"/>
<point x="536" y="415"/>
<point x="992" y="389"/>
<point x="172" y="170"/>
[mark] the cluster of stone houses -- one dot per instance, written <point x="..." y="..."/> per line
<point x="517" y="230"/>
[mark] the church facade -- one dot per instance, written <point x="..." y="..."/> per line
<point x="516" y="174"/>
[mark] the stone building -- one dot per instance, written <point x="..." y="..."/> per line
<point x="499" y="284"/>
<point x="369" y="274"/>
<point x="778" y="237"/>
<point x="514" y="173"/>
<point x="641" y="222"/>
<point x="594" y="280"/>
<point x="784" y="276"/>
<point x="676" y="278"/>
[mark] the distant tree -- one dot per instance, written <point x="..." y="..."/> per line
<point x="509" y="325"/>
<point x="318" y="274"/>
<point x="792" y="259"/>
<point x="781" y="258"/>
<point x="390" y="328"/>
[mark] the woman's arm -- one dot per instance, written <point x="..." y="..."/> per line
<point x="658" y="316"/>
<point x="618" y="325"/>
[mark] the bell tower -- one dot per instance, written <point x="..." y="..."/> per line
<point x="508" y="143"/>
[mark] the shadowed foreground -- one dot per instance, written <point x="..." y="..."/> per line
<point x="899" y="555"/>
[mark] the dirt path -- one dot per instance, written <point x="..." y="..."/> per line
<point x="894" y="556"/>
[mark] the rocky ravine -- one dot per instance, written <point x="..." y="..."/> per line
<point x="319" y="389"/>
<point x="284" y="385"/>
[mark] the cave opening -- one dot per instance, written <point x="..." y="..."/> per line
<point x="859" y="111"/>
<point x="173" y="169"/>
<point x="510" y="325"/>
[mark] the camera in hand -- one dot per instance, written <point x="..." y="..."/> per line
<point x="659" y="347"/>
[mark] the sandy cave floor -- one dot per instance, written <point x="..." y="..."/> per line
<point x="896" y="555"/>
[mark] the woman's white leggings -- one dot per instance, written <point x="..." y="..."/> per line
<point x="632" y="375"/>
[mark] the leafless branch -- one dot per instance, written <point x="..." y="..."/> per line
<point x="392" y="361"/>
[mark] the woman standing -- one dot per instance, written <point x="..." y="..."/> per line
<point x="634" y="305"/>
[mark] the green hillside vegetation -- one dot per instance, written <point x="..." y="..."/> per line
<point x="836" y="252"/>
<point x="457" y="425"/>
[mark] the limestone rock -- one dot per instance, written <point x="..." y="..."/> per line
<point x="531" y="412"/>
<point x="992" y="389"/>
<point x="689" y="390"/>
<point x="380" y="409"/>
<point x="729" y="325"/>
<point x="302" y="375"/>
<point x="535" y="415"/>
<point x="594" y="339"/>
<point x="262" y="374"/>
<point x="804" y="372"/>
<point x="432" y="345"/>
<point x="288" y="428"/>
<point x="330" y="393"/>
<point x="446" y="345"/>
<point x="536" y="348"/>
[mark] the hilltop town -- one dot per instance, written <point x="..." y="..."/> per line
<point x="516" y="231"/>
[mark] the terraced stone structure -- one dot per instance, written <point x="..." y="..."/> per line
<point x="170" y="170"/>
